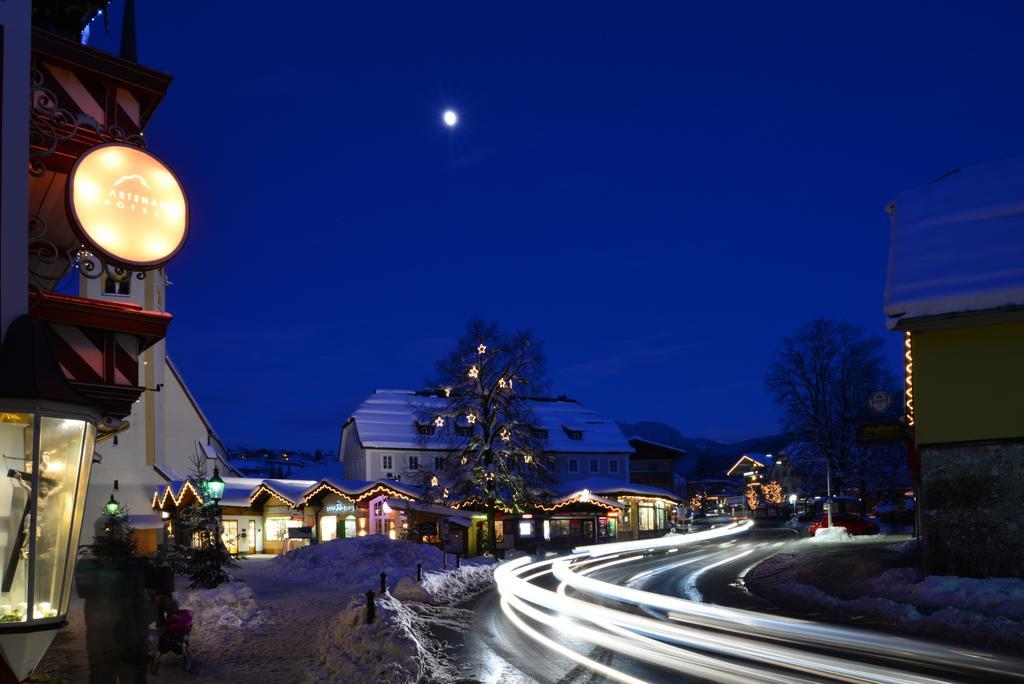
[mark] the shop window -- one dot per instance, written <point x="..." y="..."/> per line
<point x="613" y="465"/>
<point x="386" y="461"/>
<point x="594" y="466"/>
<point x="564" y="528"/>
<point x="626" y="518"/>
<point x="574" y="465"/>
<point x="647" y="519"/>
<point x="277" y="528"/>
<point x="499" y="531"/>
<point x="525" y="528"/>
<point x="414" y="463"/>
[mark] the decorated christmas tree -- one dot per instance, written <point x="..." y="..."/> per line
<point x="495" y="456"/>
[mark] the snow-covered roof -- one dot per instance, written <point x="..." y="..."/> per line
<point x="387" y="420"/>
<point x="237" y="490"/>
<point x="956" y="244"/>
<point x="609" y="487"/>
<point x="356" y="489"/>
<point x="288" y="490"/>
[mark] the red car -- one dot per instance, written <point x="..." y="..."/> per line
<point x="854" y="524"/>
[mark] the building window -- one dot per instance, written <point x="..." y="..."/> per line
<point x="438" y="462"/>
<point x="575" y="435"/>
<point x="117" y="288"/>
<point x="594" y="466"/>
<point x="414" y="463"/>
<point x="425" y="428"/>
<point x="613" y="465"/>
<point x="386" y="462"/>
<point x="652" y="467"/>
<point x="463" y="431"/>
<point x="539" y="433"/>
<point x="574" y="465"/>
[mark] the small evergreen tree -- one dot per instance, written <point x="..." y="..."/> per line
<point x="116" y="541"/>
<point x="208" y="557"/>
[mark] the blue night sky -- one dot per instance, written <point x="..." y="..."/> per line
<point x="661" y="194"/>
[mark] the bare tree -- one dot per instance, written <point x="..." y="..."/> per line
<point x="821" y="378"/>
<point x="485" y="424"/>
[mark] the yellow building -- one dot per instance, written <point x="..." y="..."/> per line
<point x="956" y="291"/>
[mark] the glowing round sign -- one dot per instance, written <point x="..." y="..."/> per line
<point x="127" y="206"/>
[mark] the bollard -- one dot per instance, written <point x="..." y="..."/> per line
<point x="371" y="608"/>
<point x="419" y="572"/>
<point x="458" y="560"/>
<point x="383" y="582"/>
<point x="445" y="554"/>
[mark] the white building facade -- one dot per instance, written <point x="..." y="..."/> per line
<point x="381" y="439"/>
<point x="165" y="429"/>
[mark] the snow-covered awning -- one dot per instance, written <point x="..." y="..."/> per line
<point x="613" y="489"/>
<point x="956" y="244"/>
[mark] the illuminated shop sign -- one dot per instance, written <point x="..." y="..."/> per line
<point x="339" y="507"/>
<point x="127" y="206"/>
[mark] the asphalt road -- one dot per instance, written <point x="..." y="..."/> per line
<point x="501" y="648"/>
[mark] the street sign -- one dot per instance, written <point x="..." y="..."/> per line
<point x="880" y="401"/>
<point x="879" y="433"/>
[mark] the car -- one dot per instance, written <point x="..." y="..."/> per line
<point x="854" y="524"/>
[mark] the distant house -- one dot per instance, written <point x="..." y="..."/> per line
<point x="382" y="439"/>
<point x="655" y="464"/>
<point x="750" y="467"/>
<point x="955" y="290"/>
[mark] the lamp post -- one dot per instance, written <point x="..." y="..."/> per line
<point x="113" y="507"/>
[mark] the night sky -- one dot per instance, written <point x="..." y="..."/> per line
<point x="660" y="194"/>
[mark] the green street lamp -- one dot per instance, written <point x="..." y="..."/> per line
<point x="113" y="507"/>
<point x="215" y="486"/>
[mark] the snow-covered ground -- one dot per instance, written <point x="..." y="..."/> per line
<point x="301" y="618"/>
<point x="885" y="590"/>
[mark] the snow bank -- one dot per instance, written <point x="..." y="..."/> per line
<point x="395" y="649"/>
<point x="453" y="586"/>
<point x="987" y="613"/>
<point x="232" y="604"/>
<point x="829" y="535"/>
<point x="356" y="563"/>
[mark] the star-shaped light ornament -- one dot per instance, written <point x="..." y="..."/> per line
<point x="433" y="482"/>
<point x="482" y="349"/>
<point x="447" y="391"/>
<point x="474" y="372"/>
<point x="464" y="460"/>
<point x="439" y="421"/>
<point x="470" y="418"/>
<point x="505" y="435"/>
<point x="446" y="492"/>
<point x="528" y="458"/>
<point x="502" y="383"/>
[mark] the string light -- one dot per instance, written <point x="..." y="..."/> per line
<point x="439" y="422"/>
<point x="474" y="372"/>
<point x="470" y="418"/>
<point x="445" y="493"/>
<point x="909" y="379"/>
<point x="482" y="349"/>
<point x="464" y="460"/>
<point x="447" y="391"/>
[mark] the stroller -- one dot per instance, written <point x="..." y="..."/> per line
<point x="175" y="627"/>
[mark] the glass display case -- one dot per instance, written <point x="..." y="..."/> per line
<point x="47" y="455"/>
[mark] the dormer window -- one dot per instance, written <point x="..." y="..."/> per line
<point x="539" y="433"/>
<point x="575" y="435"/>
<point x="464" y="430"/>
<point x="425" y="428"/>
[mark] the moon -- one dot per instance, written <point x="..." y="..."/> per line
<point x="450" y="118"/>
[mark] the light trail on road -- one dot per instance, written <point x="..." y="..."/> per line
<point x="705" y="641"/>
